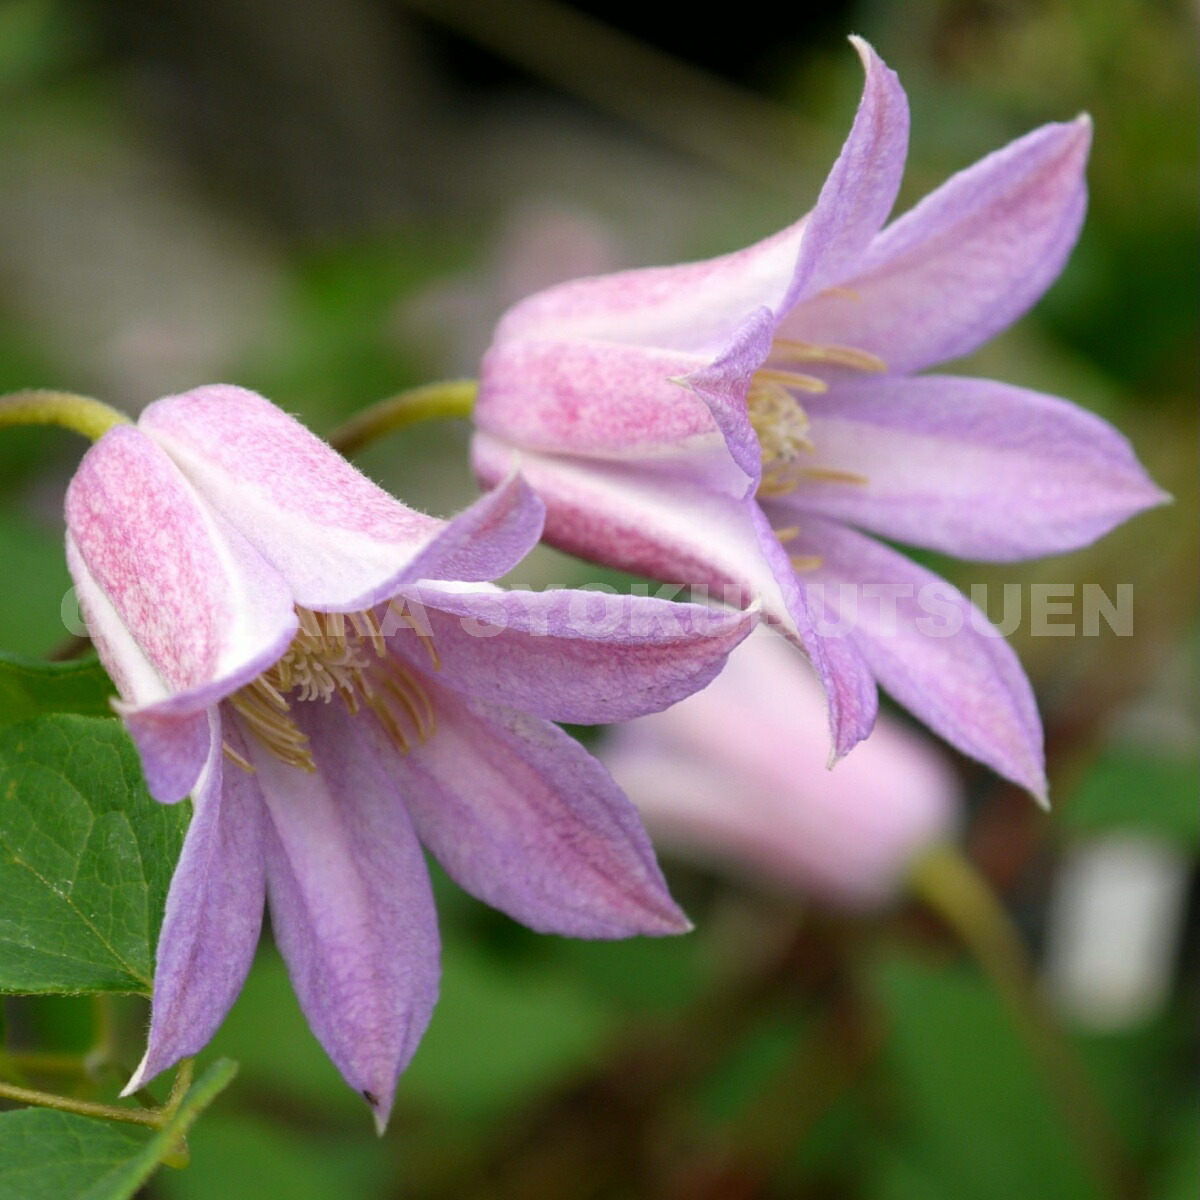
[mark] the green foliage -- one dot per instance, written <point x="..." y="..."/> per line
<point x="1128" y="788"/>
<point x="971" y="1117"/>
<point x="35" y="582"/>
<point x="31" y="688"/>
<point x="49" y="1155"/>
<point x="86" y="857"/>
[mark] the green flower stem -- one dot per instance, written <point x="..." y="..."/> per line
<point x="952" y="887"/>
<point x="154" y="1118"/>
<point x="434" y="402"/>
<point x="81" y="414"/>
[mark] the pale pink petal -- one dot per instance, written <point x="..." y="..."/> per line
<point x="521" y="816"/>
<point x="213" y="915"/>
<point x="966" y="262"/>
<point x="351" y="903"/>
<point x="970" y="467"/>
<point x="586" y="657"/>
<point x="338" y="539"/>
<point x="931" y="649"/>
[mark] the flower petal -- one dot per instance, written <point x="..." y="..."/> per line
<point x="521" y="816"/>
<point x="859" y="192"/>
<point x="931" y="649"/>
<point x="971" y="467"/>
<point x="174" y="598"/>
<point x="213" y="916"/>
<point x="671" y="531"/>
<point x="966" y="262"/>
<point x="338" y="539"/>
<point x="484" y="541"/>
<point x="351" y="903"/>
<point x="572" y="655"/>
<point x="692" y="308"/>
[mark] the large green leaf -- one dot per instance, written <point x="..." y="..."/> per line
<point x="30" y="687"/>
<point x="85" y="858"/>
<point x="47" y="1155"/>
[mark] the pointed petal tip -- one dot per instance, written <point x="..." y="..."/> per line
<point x="381" y="1112"/>
<point x="867" y="53"/>
<point x="139" y="1078"/>
<point x="665" y="920"/>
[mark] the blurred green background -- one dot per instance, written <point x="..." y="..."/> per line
<point x="329" y="200"/>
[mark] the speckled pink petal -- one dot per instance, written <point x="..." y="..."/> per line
<point x="351" y="903"/>
<point x="214" y="913"/>
<point x="521" y="816"/>
<point x="964" y="264"/>
<point x="177" y="599"/>
<point x="336" y="538"/>
<point x="603" y="400"/>
<point x="971" y="467"/>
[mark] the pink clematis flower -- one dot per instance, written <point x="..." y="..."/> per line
<point x="745" y="423"/>
<point x="291" y="649"/>
<point x="734" y="777"/>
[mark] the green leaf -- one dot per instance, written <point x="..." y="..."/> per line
<point x="86" y="857"/>
<point x="48" y="1155"/>
<point x="30" y="687"/>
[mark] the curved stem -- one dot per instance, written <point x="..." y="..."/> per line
<point x="951" y="886"/>
<point x="81" y="414"/>
<point x="454" y="398"/>
<point x="83" y="1108"/>
<point x="155" y="1118"/>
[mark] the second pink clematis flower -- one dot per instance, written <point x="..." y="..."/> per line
<point x="297" y="651"/>
<point x="745" y="424"/>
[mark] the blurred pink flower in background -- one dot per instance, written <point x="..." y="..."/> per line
<point x="735" y="776"/>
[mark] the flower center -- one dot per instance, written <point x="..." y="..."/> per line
<point x="341" y="655"/>
<point x="778" y="418"/>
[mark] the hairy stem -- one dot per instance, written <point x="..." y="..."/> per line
<point x="433" y="402"/>
<point x="81" y="414"/>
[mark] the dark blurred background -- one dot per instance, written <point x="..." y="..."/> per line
<point x="329" y="200"/>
